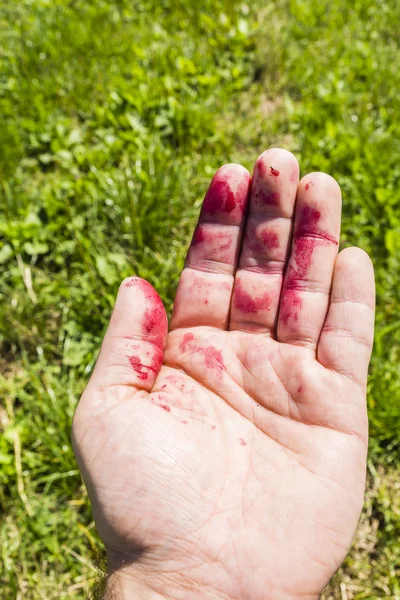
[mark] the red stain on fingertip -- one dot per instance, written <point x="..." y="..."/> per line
<point x="274" y="172"/>
<point x="261" y="167"/>
<point x="219" y="198"/>
<point x="300" y="389"/>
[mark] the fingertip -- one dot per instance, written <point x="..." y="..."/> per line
<point x="357" y="256"/>
<point x="280" y="153"/>
<point x="274" y="160"/>
<point x="238" y="178"/>
<point x="131" y="281"/>
<point x="236" y="169"/>
<point x="136" y="284"/>
<point x="354" y="274"/>
<point x="227" y="196"/>
<point x="319" y="182"/>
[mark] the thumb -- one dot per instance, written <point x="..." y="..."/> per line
<point x="133" y="348"/>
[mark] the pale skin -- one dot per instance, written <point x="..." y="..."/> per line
<point x="226" y="458"/>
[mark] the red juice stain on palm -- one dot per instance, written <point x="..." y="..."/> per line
<point x="219" y="198"/>
<point x="308" y="235"/>
<point x="242" y="442"/>
<point x="137" y="366"/>
<point x="214" y="360"/>
<point x="214" y="427"/>
<point x="175" y="381"/>
<point x="165" y="407"/>
<point x="248" y="304"/>
<point x="274" y="172"/>
<point x="142" y="370"/>
<point x="187" y="338"/>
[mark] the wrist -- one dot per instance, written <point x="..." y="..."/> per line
<point x="126" y="585"/>
<point x="133" y="582"/>
<point x="123" y="586"/>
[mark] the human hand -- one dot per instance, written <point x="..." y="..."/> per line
<point x="227" y="458"/>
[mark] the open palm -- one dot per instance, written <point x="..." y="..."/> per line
<point x="227" y="458"/>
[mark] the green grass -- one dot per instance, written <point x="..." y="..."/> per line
<point x="114" y="116"/>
